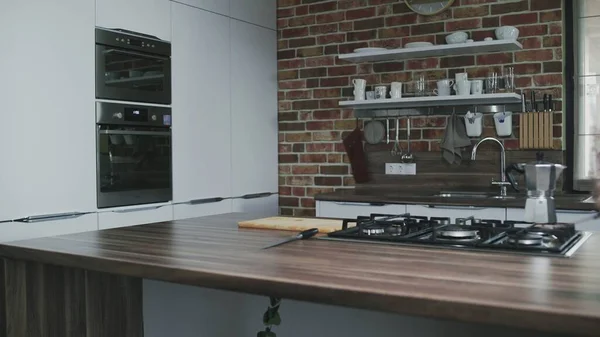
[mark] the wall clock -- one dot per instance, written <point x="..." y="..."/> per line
<point x="428" y="7"/>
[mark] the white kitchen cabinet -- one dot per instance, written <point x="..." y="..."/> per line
<point x="217" y="6"/>
<point x="562" y="215"/>
<point x="13" y="231"/>
<point x="143" y="16"/>
<point x="201" y="105"/>
<point x="453" y="212"/>
<point x="48" y="154"/>
<point x="259" y="207"/>
<point x="186" y="211"/>
<point x="253" y="109"/>
<point x="350" y="210"/>
<point x="258" y="12"/>
<point x="136" y="215"/>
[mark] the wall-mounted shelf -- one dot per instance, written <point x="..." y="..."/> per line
<point x="432" y="101"/>
<point x="429" y="51"/>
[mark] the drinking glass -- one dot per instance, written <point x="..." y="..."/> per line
<point x="492" y="83"/>
<point x="509" y="79"/>
<point x="420" y="86"/>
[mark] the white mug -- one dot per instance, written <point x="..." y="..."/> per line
<point x="463" y="88"/>
<point x="359" y="95"/>
<point x="359" y="84"/>
<point x="477" y="87"/>
<point x="443" y="87"/>
<point x="380" y="92"/>
<point x="396" y="90"/>
<point x="459" y="77"/>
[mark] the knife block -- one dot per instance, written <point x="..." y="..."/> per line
<point x="535" y="131"/>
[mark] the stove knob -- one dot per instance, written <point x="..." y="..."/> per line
<point x="118" y="115"/>
<point x="154" y="118"/>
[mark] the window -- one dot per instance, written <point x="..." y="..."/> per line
<point x="587" y="93"/>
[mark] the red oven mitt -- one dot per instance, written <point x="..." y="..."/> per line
<point x="356" y="153"/>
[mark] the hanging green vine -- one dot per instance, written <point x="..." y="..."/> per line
<point x="271" y="318"/>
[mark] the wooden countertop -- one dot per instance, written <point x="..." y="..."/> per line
<point x="539" y="293"/>
<point x="424" y="197"/>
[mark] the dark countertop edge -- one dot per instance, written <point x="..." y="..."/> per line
<point x="356" y="298"/>
<point x="564" y="202"/>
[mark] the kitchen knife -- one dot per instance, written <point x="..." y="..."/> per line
<point x="550" y="106"/>
<point x="545" y="102"/>
<point x="301" y="236"/>
<point x="533" y="102"/>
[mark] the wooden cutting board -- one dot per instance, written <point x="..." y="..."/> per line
<point x="293" y="224"/>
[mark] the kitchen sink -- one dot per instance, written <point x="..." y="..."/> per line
<point x="470" y="195"/>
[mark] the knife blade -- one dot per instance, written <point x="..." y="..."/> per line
<point x="301" y="236"/>
<point x="550" y="106"/>
<point x="545" y="102"/>
<point x="533" y="102"/>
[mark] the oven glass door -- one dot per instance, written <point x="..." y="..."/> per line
<point x="134" y="166"/>
<point x="129" y="75"/>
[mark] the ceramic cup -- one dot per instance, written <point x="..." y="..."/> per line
<point x="396" y="90"/>
<point x="443" y="87"/>
<point x="477" y="87"/>
<point x="380" y="92"/>
<point x="463" y="88"/>
<point x="359" y="95"/>
<point x="459" y="77"/>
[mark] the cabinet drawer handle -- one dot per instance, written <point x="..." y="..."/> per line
<point x="132" y="210"/>
<point x="52" y="217"/>
<point x="470" y="208"/>
<point x="573" y="211"/>
<point x="377" y="204"/>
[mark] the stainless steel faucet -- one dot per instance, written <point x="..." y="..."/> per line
<point x="502" y="183"/>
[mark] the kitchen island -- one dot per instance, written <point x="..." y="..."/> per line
<point x="48" y="283"/>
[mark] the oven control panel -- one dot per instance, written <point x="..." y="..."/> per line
<point x="125" y="114"/>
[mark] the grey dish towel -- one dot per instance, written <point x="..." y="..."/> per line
<point x="455" y="138"/>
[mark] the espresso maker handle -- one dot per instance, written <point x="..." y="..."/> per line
<point x="519" y="168"/>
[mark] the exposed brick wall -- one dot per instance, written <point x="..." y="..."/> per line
<point x="312" y="80"/>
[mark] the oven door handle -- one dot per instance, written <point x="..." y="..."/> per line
<point x="134" y="133"/>
<point x="139" y="209"/>
<point x="119" y="51"/>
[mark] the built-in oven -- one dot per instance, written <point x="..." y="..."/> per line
<point x="132" y="67"/>
<point x="133" y="154"/>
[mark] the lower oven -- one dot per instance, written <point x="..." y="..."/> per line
<point x="133" y="154"/>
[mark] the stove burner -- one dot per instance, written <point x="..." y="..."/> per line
<point x="395" y="230"/>
<point x="457" y="232"/>
<point x="373" y="231"/>
<point x="533" y="239"/>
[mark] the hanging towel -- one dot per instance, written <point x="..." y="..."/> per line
<point x="455" y="138"/>
<point x="358" y="161"/>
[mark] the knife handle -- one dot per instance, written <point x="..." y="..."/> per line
<point x="307" y="233"/>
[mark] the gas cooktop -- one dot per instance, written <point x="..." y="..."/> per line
<point x="560" y="239"/>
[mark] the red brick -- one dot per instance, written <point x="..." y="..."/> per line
<point x="334" y="82"/>
<point x="541" y="5"/>
<point x="465" y="24"/>
<point x="326" y="136"/>
<point x="511" y="144"/>
<point x="307" y="203"/>
<point x="287" y="116"/>
<point x="282" y="23"/>
<point x="553" y="67"/>
<point x="547" y="80"/>
<point x="345" y="124"/>
<point x="385" y="33"/>
<point x="330" y="17"/>
<point x="290" y="64"/>
<point x="528" y="68"/>
<point x="313" y="72"/>
<point x="288" y="3"/>
<point x="443" y="16"/>
<point x="380" y="2"/>
<point x="312" y="82"/>
<point x="285" y="126"/>
<point x="457" y="61"/>
<point x="328" y="181"/>
<point x="298" y="147"/>
<point x="310" y="51"/>
<point x="496" y="58"/>
<point x="330" y="92"/>
<point x="286" y="54"/>
<point x="433" y="133"/>
<point x="294" y="32"/>
<point x="326" y="114"/>
<point x="533" y="30"/>
<point x="304" y="212"/>
<point x="321" y="125"/>
<point x="289" y="201"/>
<point x="319" y="147"/>
<point x="285" y="148"/>
<point x="519" y="19"/>
<point x="386" y="67"/>
<point x="552" y="41"/>
<point x="470" y="12"/>
<point x="300" y="137"/>
<point x="551" y="16"/>
<point x="287" y="75"/>
<point x="301" y="21"/>
<point x="331" y="49"/>
<point x="306" y="105"/>
<point x="349" y="47"/>
<point x="282" y="44"/>
<point x="354" y="14"/>
<point x="298" y="191"/>
<point x="401" y="8"/>
<point x="426" y="28"/>
<point x="511" y="7"/>
<point x="534" y="55"/>
<point x="368" y="24"/>
<point x="401" y="20"/>
<point x="284" y="190"/>
<point x="555" y="28"/>
<point x="531" y="42"/>
<point x="493" y="21"/>
<point x="361" y="35"/>
<point x="345" y="26"/>
<point x="285" y="12"/>
<point x="432" y="62"/>
<point x="420" y="122"/>
<point x="395" y="77"/>
<point x="481" y="72"/>
<point x="305" y="169"/>
<point x="320" y="61"/>
<point x="301" y="10"/>
<point x="334" y="169"/>
<point x="297" y="94"/>
<point x="475" y="2"/>
<point x="313" y="158"/>
<point x="302" y="42"/>
<point x="286" y="211"/>
<point x="334" y="158"/>
<point x="523" y="82"/>
<point x="331" y="38"/>
<point x="288" y="158"/>
<point x="329" y="103"/>
<point x="343" y="70"/>
<point x="297" y="84"/>
<point x="324" y="29"/>
<point x="479" y="35"/>
<point x="284" y="106"/>
<point x="323" y="7"/>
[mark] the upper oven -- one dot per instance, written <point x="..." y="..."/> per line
<point x="132" y="67"/>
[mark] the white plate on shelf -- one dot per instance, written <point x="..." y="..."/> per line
<point x="369" y="49"/>
<point x="418" y="44"/>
